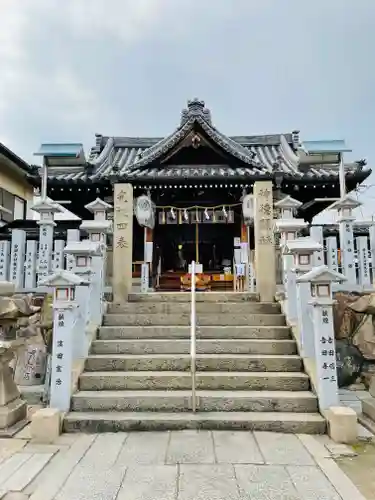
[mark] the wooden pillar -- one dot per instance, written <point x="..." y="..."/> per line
<point x="122" y="242"/>
<point x="265" y="255"/>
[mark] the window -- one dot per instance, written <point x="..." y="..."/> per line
<point x="14" y="207"/>
<point x="19" y="208"/>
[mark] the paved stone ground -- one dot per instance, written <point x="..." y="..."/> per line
<point x="181" y="465"/>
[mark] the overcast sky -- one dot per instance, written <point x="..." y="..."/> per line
<point x="71" y="68"/>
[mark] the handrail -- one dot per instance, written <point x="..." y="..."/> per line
<point x="193" y="347"/>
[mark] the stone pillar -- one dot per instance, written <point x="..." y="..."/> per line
<point x="345" y="208"/>
<point x="122" y="242"/>
<point x="17" y="264"/>
<point x="265" y="256"/>
<point x="30" y="265"/>
<point x="64" y="315"/>
<point x="58" y="255"/>
<point x="363" y="262"/>
<point x="316" y="233"/>
<point x="47" y="210"/>
<point x="4" y="260"/>
<point x="320" y="280"/>
<point x="72" y="236"/>
<point x="332" y="257"/>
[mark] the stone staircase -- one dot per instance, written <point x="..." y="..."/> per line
<point x="249" y="375"/>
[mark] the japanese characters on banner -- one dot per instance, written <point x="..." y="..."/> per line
<point x="4" y="260"/>
<point x="363" y="261"/>
<point x="347" y="250"/>
<point x="45" y="251"/>
<point x="332" y="260"/>
<point x="62" y="358"/>
<point x="316" y="233"/>
<point x="17" y="263"/>
<point x="30" y="264"/>
<point x="58" y="255"/>
<point x="325" y="355"/>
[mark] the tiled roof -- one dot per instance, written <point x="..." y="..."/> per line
<point x="252" y="156"/>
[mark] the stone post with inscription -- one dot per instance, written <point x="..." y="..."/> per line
<point x="316" y="233"/>
<point x="30" y="264"/>
<point x="332" y="256"/>
<point x="4" y="260"/>
<point x="47" y="210"/>
<point x="17" y="263"/>
<point x="265" y="256"/>
<point x="122" y="242"/>
<point x="363" y="262"/>
<point x="320" y="280"/>
<point x="345" y="218"/>
<point x="64" y="317"/>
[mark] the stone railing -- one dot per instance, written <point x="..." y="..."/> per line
<point x="308" y="305"/>
<point x="78" y="310"/>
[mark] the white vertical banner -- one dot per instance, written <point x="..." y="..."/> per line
<point x="4" y="260"/>
<point x="347" y="251"/>
<point x="17" y="263"/>
<point x="316" y="233"/>
<point x="363" y="261"/>
<point x="58" y="255"/>
<point x="45" y="251"/>
<point x="332" y="256"/>
<point x="30" y="264"/>
<point x="73" y="235"/>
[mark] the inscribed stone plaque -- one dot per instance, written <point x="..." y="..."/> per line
<point x="122" y="242"/>
<point x="265" y="257"/>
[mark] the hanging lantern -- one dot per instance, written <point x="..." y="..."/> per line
<point x="162" y="219"/>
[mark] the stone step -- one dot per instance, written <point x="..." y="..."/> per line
<point x="201" y="307"/>
<point x="96" y="422"/>
<point x="174" y="401"/>
<point x="183" y="332"/>
<point x="199" y="297"/>
<point x="172" y="380"/>
<point x="202" y="319"/>
<point x="206" y="346"/>
<point x="204" y="362"/>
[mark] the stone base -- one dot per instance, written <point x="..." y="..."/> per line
<point x="11" y="414"/>
<point x="45" y="425"/>
<point x="342" y="424"/>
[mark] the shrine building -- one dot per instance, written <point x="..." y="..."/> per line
<point x="197" y="176"/>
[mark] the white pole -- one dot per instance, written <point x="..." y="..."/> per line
<point x="44" y="180"/>
<point x="342" y="177"/>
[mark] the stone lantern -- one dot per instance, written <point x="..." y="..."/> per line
<point x="345" y="218"/>
<point x="302" y="250"/>
<point x="321" y="338"/>
<point x="64" y="335"/>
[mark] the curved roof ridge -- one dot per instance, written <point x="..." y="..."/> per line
<point x="289" y="155"/>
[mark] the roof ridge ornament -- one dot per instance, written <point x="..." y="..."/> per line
<point x="195" y="107"/>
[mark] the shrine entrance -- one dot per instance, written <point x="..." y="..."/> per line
<point x="210" y="245"/>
